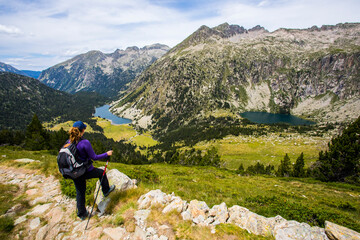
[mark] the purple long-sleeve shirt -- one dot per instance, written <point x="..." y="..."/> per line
<point x="86" y="152"/>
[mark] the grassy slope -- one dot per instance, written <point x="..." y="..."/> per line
<point x="116" y="132"/>
<point x="266" y="149"/>
<point x="299" y="199"/>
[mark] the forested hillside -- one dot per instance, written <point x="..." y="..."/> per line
<point x="21" y="97"/>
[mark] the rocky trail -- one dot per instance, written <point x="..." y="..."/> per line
<point x="53" y="215"/>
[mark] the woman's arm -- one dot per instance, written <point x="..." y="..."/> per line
<point x="90" y="151"/>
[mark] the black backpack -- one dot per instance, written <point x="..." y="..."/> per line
<point x="68" y="163"/>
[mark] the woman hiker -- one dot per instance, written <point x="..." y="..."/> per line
<point x="86" y="153"/>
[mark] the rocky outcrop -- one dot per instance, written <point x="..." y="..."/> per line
<point x="281" y="229"/>
<point x="336" y="232"/>
<point x="122" y="183"/>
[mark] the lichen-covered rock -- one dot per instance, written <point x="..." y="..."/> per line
<point x="176" y="204"/>
<point x="336" y="232"/>
<point x="238" y="216"/>
<point x="273" y="221"/>
<point x="151" y="198"/>
<point x="195" y="209"/>
<point x="293" y="230"/>
<point x="220" y="212"/>
<point x="120" y="180"/>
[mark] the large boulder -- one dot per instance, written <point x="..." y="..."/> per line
<point x="253" y="222"/>
<point x="293" y="230"/>
<point x="336" y="232"/>
<point x="122" y="183"/>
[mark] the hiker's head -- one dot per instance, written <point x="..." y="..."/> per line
<point x="77" y="131"/>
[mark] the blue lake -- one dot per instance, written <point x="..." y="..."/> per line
<point x="270" y="118"/>
<point x="104" y="112"/>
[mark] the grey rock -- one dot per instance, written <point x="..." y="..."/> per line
<point x="34" y="223"/>
<point x="40" y="209"/>
<point x="140" y="218"/>
<point x="41" y="234"/>
<point x="122" y="183"/>
<point x="177" y="204"/>
<point x="152" y="198"/>
<point x="220" y="212"/>
<point x="297" y="231"/>
<point x="194" y="210"/>
<point x="139" y="234"/>
<point x="116" y="233"/>
<point x="20" y="220"/>
<point x="336" y="232"/>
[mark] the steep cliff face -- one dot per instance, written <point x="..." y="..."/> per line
<point x="104" y="73"/>
<point x="233" y="69"/>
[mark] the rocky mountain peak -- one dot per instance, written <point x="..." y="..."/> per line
<point x="104" y="73"/>
<point x="156" y="46"/>
<point x="226" y="30"/>
<point x="257" y="28"/>
<point x="133" y="48"/>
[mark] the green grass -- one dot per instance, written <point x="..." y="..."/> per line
<point x="304" y="200"/>
<point x="116" y="132"/>
<point x="144" y="140"/>
<point x="266" y="149"/>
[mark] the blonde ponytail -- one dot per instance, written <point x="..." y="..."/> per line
<point x="75" y="135"/>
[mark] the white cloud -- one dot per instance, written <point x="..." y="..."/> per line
<point x="9" y="30"/>
<point x="45" y="33"/>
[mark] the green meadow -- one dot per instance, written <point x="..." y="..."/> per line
<point x="116" y="132"/>
<point x="269" y="149"/>
<point x="304" y="200"/>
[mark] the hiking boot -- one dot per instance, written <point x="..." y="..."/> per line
<point x="84" y="216"/>
<point x="112" y="188"/>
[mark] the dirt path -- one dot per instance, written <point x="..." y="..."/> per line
<point x="51" y="214"/>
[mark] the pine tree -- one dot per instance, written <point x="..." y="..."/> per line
<point x="342" y="161"/>
<point x="284" y="169"/>
<point x="36" y="137"/>
<point x="299" y="170"/>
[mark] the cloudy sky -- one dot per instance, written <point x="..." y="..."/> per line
<point x="37" y="34"/>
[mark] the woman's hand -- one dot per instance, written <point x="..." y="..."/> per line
<point x="109" y="153"/>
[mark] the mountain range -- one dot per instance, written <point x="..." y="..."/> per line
<point x="106" y="74"/>
<point x="313" y="73"/>
<point x="8" y="68"/>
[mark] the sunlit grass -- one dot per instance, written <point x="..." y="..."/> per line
<point x="266" y="149"/>
<point x="144" y="140"/>
<point x="66" y="126"/>
<point x="116" y="132"/>
<point x="304" y="200"/>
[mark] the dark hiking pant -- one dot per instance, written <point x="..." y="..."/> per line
<point x="80" y="185"/>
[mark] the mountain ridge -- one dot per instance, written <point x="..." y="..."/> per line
<point x="104" y="73"/>
<point x="251" y="71"/>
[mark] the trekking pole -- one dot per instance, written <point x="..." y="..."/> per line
<point x="97" y="193"/>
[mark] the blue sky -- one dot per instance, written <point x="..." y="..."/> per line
<point x="37" y="34"/>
